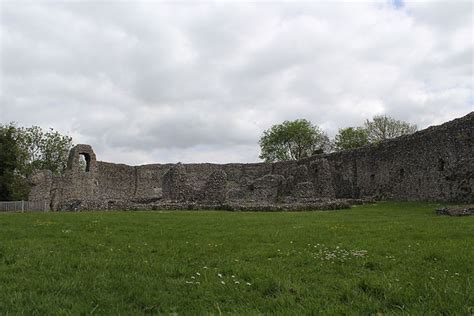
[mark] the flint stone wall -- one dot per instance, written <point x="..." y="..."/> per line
<point x="435" y="164"/>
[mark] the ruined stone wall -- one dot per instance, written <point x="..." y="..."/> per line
<point x="435" y="164"/>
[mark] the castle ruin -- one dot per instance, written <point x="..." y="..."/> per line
<point x="435" y="164"/>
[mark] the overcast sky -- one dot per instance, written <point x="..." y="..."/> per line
<point x="147" y="82"/>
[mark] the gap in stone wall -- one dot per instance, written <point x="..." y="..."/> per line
<point x="84" y="162"/>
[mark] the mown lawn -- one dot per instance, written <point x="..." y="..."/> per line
<point x="386" y="258"/>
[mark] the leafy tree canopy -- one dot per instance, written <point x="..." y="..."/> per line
<point x="350" y="138"/>
<point x="34" y="149"/>
<point x="382" y="127"/>
<point x="292" y="140"/>
<point x="8" y="163"/>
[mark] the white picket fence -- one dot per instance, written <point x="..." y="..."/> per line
<point x="24" y="206"/>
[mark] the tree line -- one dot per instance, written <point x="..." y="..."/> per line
<point x="292" y="140"/>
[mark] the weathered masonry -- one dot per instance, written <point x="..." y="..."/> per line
<point x="435" y="164"/>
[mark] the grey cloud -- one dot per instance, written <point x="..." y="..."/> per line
<point x="153" y="81"/>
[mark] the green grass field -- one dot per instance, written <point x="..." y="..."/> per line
<point x="386" y="258"/>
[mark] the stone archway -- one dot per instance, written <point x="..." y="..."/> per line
<point x="89" y="163"/>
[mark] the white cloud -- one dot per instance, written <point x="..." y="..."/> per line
<point x="161" y="82"/>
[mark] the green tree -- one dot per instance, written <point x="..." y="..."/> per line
<point x="350" y="138"/>
<point x="8" y="163"/>
<point x="42" y="150"/>
<point x="292" y="140"/>
<point x="383" y="127"/>
<point x="36" y="150"/>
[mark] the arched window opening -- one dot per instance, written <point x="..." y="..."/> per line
<point x="84" y="162"/>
